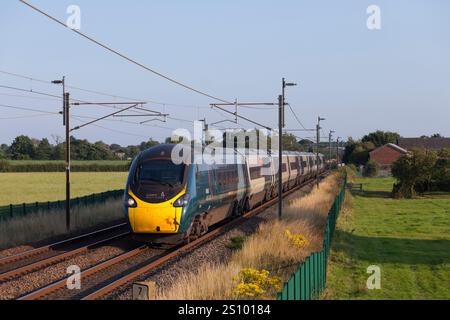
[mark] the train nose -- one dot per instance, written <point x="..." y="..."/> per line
<point x="154" y="219"/>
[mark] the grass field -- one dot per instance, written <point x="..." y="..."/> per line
<point x="408" y="239"/>
<point x="19" y="188"/>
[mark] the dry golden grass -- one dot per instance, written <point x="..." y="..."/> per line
<point x="268" y="248"/>
<point x="45" y="225"/>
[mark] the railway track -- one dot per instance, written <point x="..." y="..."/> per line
<point x="36" y="259"/>
<point x="104" y="278"/>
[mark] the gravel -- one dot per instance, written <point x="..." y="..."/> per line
<point x="18" y="287"/>
<point x="13" y="251"/>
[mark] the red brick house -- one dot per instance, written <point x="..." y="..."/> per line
<point x="386" y="155"/>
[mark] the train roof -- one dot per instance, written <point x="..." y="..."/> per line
<point x="165" y="150"/>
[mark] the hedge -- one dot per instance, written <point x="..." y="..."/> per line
<point x="58" y="166"/>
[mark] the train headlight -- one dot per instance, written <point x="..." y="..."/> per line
<point x="182" y="201"/>
<point x="130" y="202"/>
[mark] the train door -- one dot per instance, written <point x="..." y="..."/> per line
<point x="204" y="186"/>
<point x="226" y="180"/>
<point x="302" y="167"/>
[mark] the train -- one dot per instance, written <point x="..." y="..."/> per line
<point x="166" y="203"/>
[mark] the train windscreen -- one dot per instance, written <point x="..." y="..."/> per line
<point x="161" y="171"/>
<point x="158" y="181"/>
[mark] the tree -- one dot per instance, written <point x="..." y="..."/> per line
<point x="441" y="172"/>
<point x="290" y="143"/>
<point x="357" y="153"/>
<point x="381" y="138"/>
<point x="149" y="144"/>
<point x="22" y="148"/>
<point x="4" y="150"/>
<point x="414" y="172"/>
<point x="132" y="151"/>
<point x="59" y="152"/>
<point x="44" y="150"/>
<point x="371" y="169"/>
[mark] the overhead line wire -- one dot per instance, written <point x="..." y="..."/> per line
<point x="124" y="56"/>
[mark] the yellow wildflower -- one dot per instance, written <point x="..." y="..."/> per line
<point x="255" y="283"/>
<point x="297" y="239"/>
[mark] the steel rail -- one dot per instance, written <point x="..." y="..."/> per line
<point x="8" y="275"/>
<point x="34" y="252"/>
<point x="42" y="292"/>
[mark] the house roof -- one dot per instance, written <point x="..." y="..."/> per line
<point x="426" y="143"/>
<point x="392" y="146"/>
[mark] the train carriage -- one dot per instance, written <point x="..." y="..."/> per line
<point x="167" y="203"/>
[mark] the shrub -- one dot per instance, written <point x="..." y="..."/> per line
<point x="4" y="166"/>
<point x="236" y="243"/>
<point x="371" y="169"/>
<point x="352" y="167"/>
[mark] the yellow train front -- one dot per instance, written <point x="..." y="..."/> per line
<point x="167" y="203"/>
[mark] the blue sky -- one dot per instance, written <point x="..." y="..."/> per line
<point x="396" y="78"/>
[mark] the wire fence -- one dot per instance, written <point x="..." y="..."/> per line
<point x="309" y="281"/>
<point x="20" y="210"/>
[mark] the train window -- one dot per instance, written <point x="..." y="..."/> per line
<point x="284" y="167"/>
<point x="294" y="165"/>
<point x="227" y="177"/>
<point x="161" y="171"/>
<point x="255" y="173"/>
<point x="203" y="175"/>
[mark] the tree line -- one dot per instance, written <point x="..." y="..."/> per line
<point x="26" y="148"/>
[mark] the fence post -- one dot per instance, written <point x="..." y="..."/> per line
<point x="311" y="270"/>
<point x="307" y="280"/>
<point x="303" y="282"/>
<point x="291" y="287"/>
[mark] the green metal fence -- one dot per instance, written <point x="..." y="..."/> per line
<point x="309" y="281"/>
<point x="14" y="211"/>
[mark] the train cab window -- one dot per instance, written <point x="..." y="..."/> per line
<point x="158" y="180"/>
<point x="161" y="171"/>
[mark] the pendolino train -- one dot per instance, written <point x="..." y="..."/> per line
<point x="167" y="203"/>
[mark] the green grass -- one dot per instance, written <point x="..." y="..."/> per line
<point x="408" y="239"/>
<point x="17" y="188"/>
